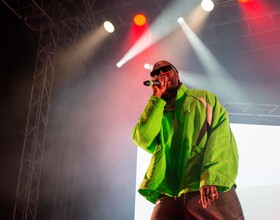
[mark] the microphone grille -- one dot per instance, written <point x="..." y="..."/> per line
<point x="147" y="83"/>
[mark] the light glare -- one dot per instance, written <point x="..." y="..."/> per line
<point x="109" y="27"/>
<point x="119" y="64"/>
<point x="180" y="19"/>
<point x="148" y="66"/>
<point x="207" y="5"/>
<point x="157" y="30"/>
<point x="140" y="19"/>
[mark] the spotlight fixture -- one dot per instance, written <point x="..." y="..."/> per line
<point x="148" y="66"/>
<point x="207" y="5"/>
<point x="119" y="65"/>
<point x="139" y="19"/>
<point x="109" y="27"/>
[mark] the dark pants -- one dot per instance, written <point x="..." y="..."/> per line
<point x="226" y="207"/>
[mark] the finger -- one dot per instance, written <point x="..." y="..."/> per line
<point x="206" y="196"/>
<point x="214" y="192"/>
<point x="208" y="190"/>
<point x="210" y="197"/>
<point x="205" y="200"/>
<point x="202" y="197"/>
<point x="203" y="203"/>
<point x="202" y="194"/>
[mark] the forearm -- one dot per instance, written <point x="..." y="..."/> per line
<point x="149" y="123"/>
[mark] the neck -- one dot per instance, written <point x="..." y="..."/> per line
<point x="170" y="94"/>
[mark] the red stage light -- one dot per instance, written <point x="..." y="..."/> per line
<point x="245" y="1"/>
<point x="140" y="19"/>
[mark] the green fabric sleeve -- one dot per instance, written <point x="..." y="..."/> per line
<point x="220" y="165"/>
<point x="149" y="124"/>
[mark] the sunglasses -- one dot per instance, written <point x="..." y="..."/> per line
<point x="163" y="69"/>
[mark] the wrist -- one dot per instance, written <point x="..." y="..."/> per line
<point x="157" y="94"/>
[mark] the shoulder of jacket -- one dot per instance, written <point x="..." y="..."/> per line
<point x="200" y="93"/>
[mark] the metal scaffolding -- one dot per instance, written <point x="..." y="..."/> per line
<point x="254" y="113"/>
<point x="36" y="129"/>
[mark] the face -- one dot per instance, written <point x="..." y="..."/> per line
<point x="165" y="70"/>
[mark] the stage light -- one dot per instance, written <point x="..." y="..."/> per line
<point x="244" y="1"/>
<point x="207" y="5"/>
<point x="139" y="19"/>
<point x="148" y="66"/>
<point x="109" y="27"/>
<point x="180" y="20"/>
<point x="119" y="64"/>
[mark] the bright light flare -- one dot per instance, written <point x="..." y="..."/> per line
<point x="156" y="32"/>
<point x="109" y="27"/>
<point x="148" y="66"/>
<point x="139" y="20"/>
<point x="207" y="5"/>
<point x="217" y="74"/>
<point x="119" y="64"/>
<point x="180" y="20"/>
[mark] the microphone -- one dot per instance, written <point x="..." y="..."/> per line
<point x="150" y="83"/>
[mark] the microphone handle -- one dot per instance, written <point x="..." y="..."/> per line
<point x="151" y="83"/>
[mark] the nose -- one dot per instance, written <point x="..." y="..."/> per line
<point x="161" y="73"/>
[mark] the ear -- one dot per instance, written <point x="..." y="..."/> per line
<point x="176" y="74"/>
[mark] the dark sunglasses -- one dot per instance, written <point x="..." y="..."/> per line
<point x="163" y="69"/>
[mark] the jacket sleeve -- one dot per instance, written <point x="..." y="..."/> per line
<point x="220" y="164"/>
<point x="148" y="126"/>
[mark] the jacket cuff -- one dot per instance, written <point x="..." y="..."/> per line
<point x="157" y="101"/>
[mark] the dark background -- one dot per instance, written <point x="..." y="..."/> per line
<point x="18" y="52"/>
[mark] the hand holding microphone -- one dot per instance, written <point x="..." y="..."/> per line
<point x="159" y="85"/>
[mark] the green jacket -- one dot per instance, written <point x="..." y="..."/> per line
<point x="191" y="144"/>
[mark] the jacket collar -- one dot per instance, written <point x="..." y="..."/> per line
<point x="182" y="89"/>
<point x="171" y="104"/>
